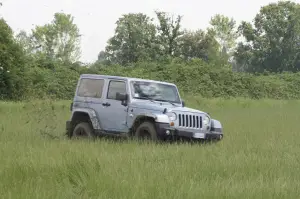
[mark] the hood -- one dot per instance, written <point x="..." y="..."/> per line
<point x="186" y="109"/>
<point x="160" y="106"/>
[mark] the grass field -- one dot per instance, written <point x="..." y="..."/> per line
<point x="258" y="158"/>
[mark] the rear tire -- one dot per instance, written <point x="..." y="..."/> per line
<point x="146" y="131"/>
<point x="83" y="130"/>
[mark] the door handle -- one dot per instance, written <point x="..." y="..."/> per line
<point x="106" y="104"/>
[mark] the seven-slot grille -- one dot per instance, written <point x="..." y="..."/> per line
<point x="190" y="121"/>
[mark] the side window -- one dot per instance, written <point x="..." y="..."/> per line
<point x="114" y="87"/>
<point x="90" y="88"/>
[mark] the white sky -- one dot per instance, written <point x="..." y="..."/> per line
<point x="96" y="18"/>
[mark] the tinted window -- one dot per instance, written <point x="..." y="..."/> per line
<point x="90" y="88"/>
<point x="114" y="87"/>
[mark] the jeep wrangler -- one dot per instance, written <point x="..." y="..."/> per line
<point x="113" y="105"/>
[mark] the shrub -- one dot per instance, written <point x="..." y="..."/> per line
<point x="193" y="77"/>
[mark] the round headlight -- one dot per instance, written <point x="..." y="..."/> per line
<point x="172" y="116"/>
<point x="206" y="120"/>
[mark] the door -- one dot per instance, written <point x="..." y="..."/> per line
<point x="90" y="94"/>
<point x="113" y="110"/>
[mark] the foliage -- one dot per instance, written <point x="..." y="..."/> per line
<point x="224" y="30"/>
<point x="134" y="40"/>
<point x="12" y="65"/>
<point x="44" y="63"/>
<point x="169" y="32"/>
<point x="195" y="77"/>
<point x="58" y="40"/>
<point x="197" y="44"/>
<point x="274" y="44"/>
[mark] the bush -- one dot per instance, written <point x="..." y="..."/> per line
<point x="202" y="79"/>
<point x="194" y="77"/>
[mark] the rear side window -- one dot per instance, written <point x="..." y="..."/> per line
<point x="114" y="87"/>
<point x="90" y="88"/>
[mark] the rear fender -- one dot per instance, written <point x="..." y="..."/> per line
<point x="91" y="113"/>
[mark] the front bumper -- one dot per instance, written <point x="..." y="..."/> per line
<point x="165" y="131"/>
<point x="205" y="135"/>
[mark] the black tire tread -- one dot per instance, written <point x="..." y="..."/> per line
<point x="151" y="129"/>
<point x="88" y="129"/>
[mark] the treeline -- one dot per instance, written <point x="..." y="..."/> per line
<point x="211" y="63"/>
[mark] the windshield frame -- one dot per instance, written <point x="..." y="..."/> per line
<point x="172" y="86"/>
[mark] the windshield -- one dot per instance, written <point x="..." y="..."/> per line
<point x="154" y="91"/>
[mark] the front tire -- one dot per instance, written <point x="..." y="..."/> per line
<point x="83" y="130"/>
<point x="146" y="131"/>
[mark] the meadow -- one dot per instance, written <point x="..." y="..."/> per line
<point x="258" y="158"/>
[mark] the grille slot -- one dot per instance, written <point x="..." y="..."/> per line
<point x="190" y="121"/>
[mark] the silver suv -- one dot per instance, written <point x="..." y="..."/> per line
<point x="112" y="105"/>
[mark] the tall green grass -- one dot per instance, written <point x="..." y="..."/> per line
<point x="258" y="158"/>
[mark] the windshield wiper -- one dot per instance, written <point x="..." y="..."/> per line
<point x="147" y="98"/>
<point x="166" y="101"/>
<point x="153" y="100"/>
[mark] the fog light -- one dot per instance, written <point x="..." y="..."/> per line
<point x="167" y="132"/>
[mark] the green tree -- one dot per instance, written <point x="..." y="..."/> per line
<point x="101" y="56"/>
<point x="169" y="30"/>
<point x="134" y="40"/>
<point x="12" y="65"/>
<point x="58" y="40"/>
<point x="273" y="43"/>
<point x="25" y="41"/>
<point x="197" y="44"/>
<point x="102" y="59"/>
<point x="224" y="30"/>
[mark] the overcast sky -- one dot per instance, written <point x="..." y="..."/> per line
<point x="96" y="18"/>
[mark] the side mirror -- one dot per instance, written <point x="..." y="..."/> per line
<point x="121" y="96"/>
<point x="183" y="103"/>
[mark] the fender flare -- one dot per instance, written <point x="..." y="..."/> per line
<point x="159" y="118"/>
<point x="92" y="115"/>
